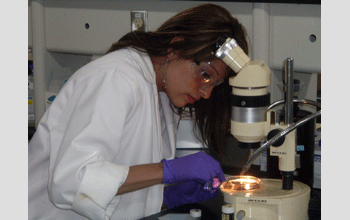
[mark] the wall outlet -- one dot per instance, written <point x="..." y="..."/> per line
<point x="139" y="21"/>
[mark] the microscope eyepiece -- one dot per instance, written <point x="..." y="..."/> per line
<point x="219" y="43"/>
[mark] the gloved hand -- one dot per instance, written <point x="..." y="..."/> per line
<point x="199" y="167"/>
<point x="185" y="193"/>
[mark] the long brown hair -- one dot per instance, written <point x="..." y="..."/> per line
<point x="199" y="27"/>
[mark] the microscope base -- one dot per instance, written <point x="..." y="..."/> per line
<point x="270" y="201"/>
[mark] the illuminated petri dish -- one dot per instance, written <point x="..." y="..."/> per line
<point x="240" y="183"/>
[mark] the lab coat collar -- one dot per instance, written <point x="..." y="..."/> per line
<point x="145" y="64"/>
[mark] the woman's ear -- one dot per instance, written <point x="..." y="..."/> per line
<point x="174" y="54"/>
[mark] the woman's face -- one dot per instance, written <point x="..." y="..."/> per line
<point x="187" y="80"/>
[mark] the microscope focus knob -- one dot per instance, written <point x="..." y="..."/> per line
<point x="274" y="132"/>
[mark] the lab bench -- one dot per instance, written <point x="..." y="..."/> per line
<point x="211" y="209"/>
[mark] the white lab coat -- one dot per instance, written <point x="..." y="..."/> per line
<point x="107" y="117"/>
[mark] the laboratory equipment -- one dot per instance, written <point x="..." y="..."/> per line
<point x="252" y="120"/>
<point x="250" y="98"/>
<point x="305" y="135"/>
<point x="196" y="214"/>
<point x="31" y="119"/>
<point x="255" y="198"/>
<point x="228" y="211"/>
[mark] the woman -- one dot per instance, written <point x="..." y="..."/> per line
<point x="105" y="147"/>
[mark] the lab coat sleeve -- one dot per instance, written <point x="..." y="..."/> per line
<point x="85" y="140"/>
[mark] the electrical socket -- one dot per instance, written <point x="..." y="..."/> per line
<point x="138" y="20"/>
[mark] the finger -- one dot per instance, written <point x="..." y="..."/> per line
<point x="213" y="191"/>
<point x="221" y="177"/>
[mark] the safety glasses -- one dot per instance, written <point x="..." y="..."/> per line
<point x="206" y="75"/>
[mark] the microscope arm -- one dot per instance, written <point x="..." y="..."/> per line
<point x="281" y="134"/>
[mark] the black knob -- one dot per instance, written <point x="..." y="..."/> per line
<point x="273" y="133"/>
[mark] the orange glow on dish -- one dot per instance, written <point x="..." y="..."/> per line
<point x="238" y="183"/>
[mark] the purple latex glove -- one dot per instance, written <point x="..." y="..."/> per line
<point x="185" y="193"/>
<point x="199" y="167"/>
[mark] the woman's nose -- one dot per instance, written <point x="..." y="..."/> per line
<point x="206" y="92"/>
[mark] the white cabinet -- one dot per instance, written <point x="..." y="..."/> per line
<point x="296" y="32"/>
